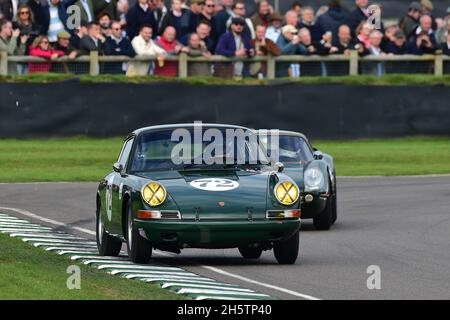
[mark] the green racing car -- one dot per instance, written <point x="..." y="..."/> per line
<point x="152" y="202"/>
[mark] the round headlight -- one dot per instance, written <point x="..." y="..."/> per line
<point x="313" y="178"/>
<point x="154" y="194"/>
<point x="286" y="192"/>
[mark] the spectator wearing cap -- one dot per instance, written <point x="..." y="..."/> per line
<point x="409" y="23"/>
<point x="197" y="48"/>
<point x="118" y="45"/>
<point x="262" y="15"/>
<point x="397" y="45"/>
<point x="93" y="41"/>
<point x="307" y="21"/>
<point x="178" y="18"/>
<point x="239" y="11"/>
<point x="138" y="15"/>
<point x="358" y="15"/>
<point x="273" y="31"/>
<point x="63" y="44"/>
<point x="290" y="44"/>
<point x="144" y="46"/>
<point x="41" y="48"/>
<point x="333" y="18"/>
<point x="234" y="43"/>
<point x="168" y="41"/>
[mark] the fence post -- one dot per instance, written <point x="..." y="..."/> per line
<point x="182" y="65"/>
<point x="3" y="63"/>
<point x="94" y="69"/>
<point x="354" y="62"/>
<point x="270" y="67"/>
<point x="439" y="64"/>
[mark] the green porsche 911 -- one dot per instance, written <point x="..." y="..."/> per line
<point x="312" y="170"/>
<point x="154" y="200"/>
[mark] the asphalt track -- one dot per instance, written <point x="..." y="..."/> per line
<point x="400" y="224"/>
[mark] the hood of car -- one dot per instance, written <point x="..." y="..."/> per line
<point x="216" y="194"/>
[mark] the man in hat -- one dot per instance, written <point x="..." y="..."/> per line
<point x="63" y="44"/>
<point x="234" y="43"/>
<point x="273" y="32"/>
<point x="290" y="44"/>
<point x="410" y="22"/>
<point x="240" y="11"/>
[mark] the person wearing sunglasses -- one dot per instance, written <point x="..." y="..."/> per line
<point x="41" y="48"/>
<point x="118" y="45"/>
<point x="239" y="11"/>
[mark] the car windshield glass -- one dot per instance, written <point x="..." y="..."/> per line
<point x="290" y="148"/>
<point x="166" y="149"/>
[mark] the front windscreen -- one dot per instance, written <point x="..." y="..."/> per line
<point x="183" y="148"/>
<point x="289" y="149"/>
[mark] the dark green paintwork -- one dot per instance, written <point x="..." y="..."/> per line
<point x="219" y="227"/>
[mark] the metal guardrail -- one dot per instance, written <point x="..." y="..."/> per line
<point x="353" y="59"/>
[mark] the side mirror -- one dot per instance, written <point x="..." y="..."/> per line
<point x="117" y="167"/>
<point x="279" y="167"/>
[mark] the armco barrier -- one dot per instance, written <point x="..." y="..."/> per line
<point x="330" y="111"/>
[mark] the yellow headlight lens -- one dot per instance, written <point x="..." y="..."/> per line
<point x="154" y="194"/>
<point x="287" y="193"/>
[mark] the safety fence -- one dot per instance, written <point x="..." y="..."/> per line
<point x="268" y="67"/>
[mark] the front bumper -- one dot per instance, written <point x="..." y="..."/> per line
<point x="215" y="234"/>
<point x="315" y="207"/>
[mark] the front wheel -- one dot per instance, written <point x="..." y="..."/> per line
<point x="107" y="245"/>
<point x="286" y="251"/>
<point x="139" y="248"/>
<point x="324" y="220"/>
<point x="250" y="252"/>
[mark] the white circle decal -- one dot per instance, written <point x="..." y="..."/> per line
<point x="214" y="184"/>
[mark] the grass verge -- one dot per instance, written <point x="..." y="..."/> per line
<point x="391" y="79"/>
<point x="87" y="159"/>
<point x="31" y="273"/>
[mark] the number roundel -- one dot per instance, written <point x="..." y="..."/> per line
<point x="214" y="184"/>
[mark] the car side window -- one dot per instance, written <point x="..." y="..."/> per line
<point x="124" y="155"/>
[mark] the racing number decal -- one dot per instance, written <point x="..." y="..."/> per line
<point x="214" y="184"/>
<point x="108" y="199"/>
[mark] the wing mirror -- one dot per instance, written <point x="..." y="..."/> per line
<point x="279" y="167"/>
<point x="117" y="167"/>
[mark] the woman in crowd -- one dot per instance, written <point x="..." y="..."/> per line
<point x="41" y="48"/>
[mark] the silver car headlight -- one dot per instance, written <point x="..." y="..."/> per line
<point x="313" y="178"/>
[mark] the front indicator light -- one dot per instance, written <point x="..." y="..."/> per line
<point x="284" y="214"/>
<point x="154" y="194"/>
<point x="287" y="193"/>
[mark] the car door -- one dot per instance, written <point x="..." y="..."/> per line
<point x="114" y="189"/>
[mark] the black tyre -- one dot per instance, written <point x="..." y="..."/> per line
<point x="323" y="220"/>
<point x="107" y="245"/>
<point x="250" y="252"/>
<point x="334" y="209"/>
<point x="286" y="252"/>
<point x="139" y="248"/>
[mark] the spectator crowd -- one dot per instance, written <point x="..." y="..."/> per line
<point x="202" y="28"/>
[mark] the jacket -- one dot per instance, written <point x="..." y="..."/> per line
<point x="136" y="17"/>
<point x="34" y="67"/>
<point x="170" y="68"/>
<point x="143" y="48"/>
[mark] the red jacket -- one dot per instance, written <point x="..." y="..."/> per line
<point x="170" y="68"/>
<point x="42" y="66"/>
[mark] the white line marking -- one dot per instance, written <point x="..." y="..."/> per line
<point x="210" y="291"/>
<point x="161" y="273"/>
<point x="78" y="250"/>
<point x="213" y="269"/>
<point x="99" y="258"/>
<point x="60" y="241"/>
<point x="33" y="237"/>
<point x="51" y="221"/>
<point x="137" y="267"/>
<point x="203" y="286"/>
<point x="157" y="277"/>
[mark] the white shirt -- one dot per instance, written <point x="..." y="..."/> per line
<point x="15" y="4"/>
<point x="273" y="34"/>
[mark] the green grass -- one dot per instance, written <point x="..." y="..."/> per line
<point x="392" y="79"/>
<point x="27" y="272"/>
<point x="88" y="159"/>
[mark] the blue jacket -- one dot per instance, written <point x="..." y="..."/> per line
<point x="227" y="46"/>
<point x="332" y="20"/>
<point x="62" y="13"/>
